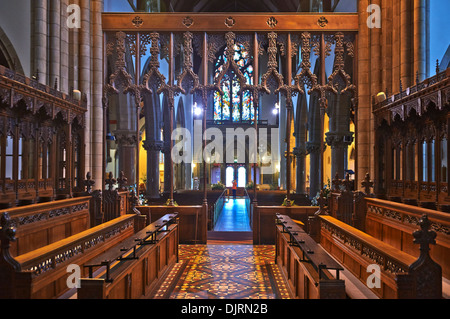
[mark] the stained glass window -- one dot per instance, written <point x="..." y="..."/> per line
<point x="233" y="106"/>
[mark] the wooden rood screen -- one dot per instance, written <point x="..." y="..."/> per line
<point x="136" y="43"/>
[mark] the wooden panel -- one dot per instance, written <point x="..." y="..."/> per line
<point x="192" y="221"/>
<point x="264" y="216"/>
<point x="394" y="224"/>
<point x="225" y="22"/>
<point x="46" y="223"/>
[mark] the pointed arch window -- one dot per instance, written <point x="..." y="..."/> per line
<point x="232" y="106"/>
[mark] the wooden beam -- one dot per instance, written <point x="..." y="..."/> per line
<point x="157" y="22"/>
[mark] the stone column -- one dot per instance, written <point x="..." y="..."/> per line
<point x="64" y="77"/>
<point x="96" y="115"/>
<point x="406" y="61"/>
<point x="74" y="54"/>
<point x="40" y="40"/>
<point x="339" y="147"/>
<point x="55" y="42"/>
<point x="153" y="149"/>
<point x="420" y="39"/>
<point x="85" y="76"/>
<point x="300" y="153"/>
<point x="364" y="113"/>
<point x="313" y="148"/>
<point x="167" y="164"/>
<point x="126" y="147"/>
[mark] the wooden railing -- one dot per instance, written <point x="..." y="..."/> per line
<point x="136" y="264"/>
<point x="401" y="276"/>
<point x="216" y="209"/>
<point x="40" y="225"/>
<point x="263" y="216"/>
<point x="193" y="221"/>
<point x="395" y="223"/>
<point x="305" y="265"/>
<point x="42" y="273"/>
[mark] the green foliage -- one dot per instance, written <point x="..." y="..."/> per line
<point x="285" y="202"/>
<point x="326" y="192"/>
<point x="250" y="185"/>
<point x="168" y="203"/>
<point x="218" y="186"/>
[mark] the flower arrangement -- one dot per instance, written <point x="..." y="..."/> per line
<point x="325" y="193"/>
<point x="218" y="186"/>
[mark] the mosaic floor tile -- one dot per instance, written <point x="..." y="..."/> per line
<point x="224" y="272"/>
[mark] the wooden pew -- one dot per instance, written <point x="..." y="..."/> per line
<point x="193" y="221"/>
<point x="42" y="273"/>
<point x="132" y="269"/>
<point x="304" y="264"/>
<point x="401" y="275"/>
<point x="42" y="224"/>
<point x="394" y="224"/>
<point x="263" y="217"/>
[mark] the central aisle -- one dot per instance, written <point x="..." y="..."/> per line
<point x="224" y="272"/>
<point x="234" y="217"/>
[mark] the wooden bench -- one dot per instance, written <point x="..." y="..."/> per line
<point x="263" y="217"/>
<point x="42" y="273"/>
<point x="132" y="269"/>
<point x="395" y="223"/>
<point x="193" y="221"/>
<point x="42" y="224"/>
<point x="305" y="265"/>
<point x="401" y="275"/>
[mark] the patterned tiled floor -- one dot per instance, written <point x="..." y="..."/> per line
<point x="224" y="272"/>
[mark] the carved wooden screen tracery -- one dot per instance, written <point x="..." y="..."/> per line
<point x="32" y="117"/>
<point x="291" y="44"/>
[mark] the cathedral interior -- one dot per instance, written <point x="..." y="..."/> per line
<point x="168" y="149"/>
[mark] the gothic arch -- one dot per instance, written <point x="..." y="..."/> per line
<point x="9" y="54"/>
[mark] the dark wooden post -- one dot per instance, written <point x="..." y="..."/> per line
<point x="8" y="265"/>
<point x="427" y="273"/>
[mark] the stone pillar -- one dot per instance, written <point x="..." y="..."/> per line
<point x="339" y="144"/>
<point x="96" y="115"/>
<point x="167" y="164"/>
<point x="300" y="153"/>
<point x="364" y="112"/>
<point x="64" y="71"/>
<point x="85" y="76"/>
<point x="406" y="49"/>
<point x="420" y="39"/>
<point x="153" y="149"/>
<point x="55" y="42"/>
<point x="40" y="40"/>
<point x="74" y="54"/>
<point x="313" y="149"/>
<point x="126" y="147"/>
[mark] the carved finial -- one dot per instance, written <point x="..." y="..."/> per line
<point x="7" y="235"/>
<point x="56" y="84"/>
<point x="122" y="181"/>
<point x="347" y="183"/>
<point x="417" y="77"/>
<point x="110" y="181"/>
<point x="336" y="182"/>
<point x="425" y="236"/>
<point x="367" y="184"/>
<point x="427" y="274"/>
<point x="438" y="69"/>
<point x="323" y="203"/>
<point x="88" y="183"/>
